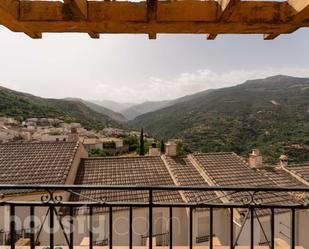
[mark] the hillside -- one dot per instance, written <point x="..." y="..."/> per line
<point x="100" y="109"/>
<point x="145" y="107"/>
<point x="113" y="105"/>
<point x="150" y="106"/>
<point x="23" y="105"/>
<point x="271" y="114"/>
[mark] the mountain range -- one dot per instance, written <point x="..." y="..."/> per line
<point x="270" y="114"/>
<point x="22" y="105"/>
<point x="132" y="110"/>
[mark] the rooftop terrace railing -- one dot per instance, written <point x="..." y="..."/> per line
<point x="249" y="200"/>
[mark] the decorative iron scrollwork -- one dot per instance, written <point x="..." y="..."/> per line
<point x="301" y="197"/>
<point x="51" y="197"/>
<point x="252" y="199"/>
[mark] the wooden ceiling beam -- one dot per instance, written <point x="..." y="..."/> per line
<point x="211" y="36"/>
<point x="301" y="14"/>
<point x="152" y="6"/>
<point x="152" y="36"/>
<point x="94" y="35"/>
<point x="153" y="17"/>
<point x="9" y="17"/>
<point x="79" y="8"/>
<point x="301" y="8"/>
<point x="227" y="7"/>
<point x="271" y="36"/>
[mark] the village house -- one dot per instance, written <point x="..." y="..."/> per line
<point x="113" y="132"/>
<point x="92" y="143"/>
<point x="114" y="145"/>
<point x="67" y="163"/>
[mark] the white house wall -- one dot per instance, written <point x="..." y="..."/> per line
<point x="282" y="231"/>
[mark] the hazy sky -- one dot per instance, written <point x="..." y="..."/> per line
<point x="132" y="68"/>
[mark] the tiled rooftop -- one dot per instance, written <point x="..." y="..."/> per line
<point x="227" y="169"/>
<point x="50" y="163"/>
<point x="186" y="174"/>
<point x="36" y="163"/>
<point x="301" y="170"/>
<point x="125" y="171"/>
<point x="281" y="177"/>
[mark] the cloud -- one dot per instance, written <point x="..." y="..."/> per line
<point x="155" y="88"/>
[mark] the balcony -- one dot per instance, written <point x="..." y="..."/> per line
<point x="53" y="217"/>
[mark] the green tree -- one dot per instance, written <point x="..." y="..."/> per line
<point x="182" y="148"/>
<point x="162" y="146"/>
<point x="98" y="153"/>
<point x="132" y="141"/>
<point x="142" y="144"/>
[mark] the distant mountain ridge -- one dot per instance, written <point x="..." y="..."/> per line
<point x="24" y="105"/>
<point x="103" y="110"/>
<point x="135" y="110"/>
<point x="113" y="105"/>
<point x="271" y="114"/>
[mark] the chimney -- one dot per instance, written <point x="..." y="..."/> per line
<point x="170" y="148"/>
<point x="153" y="150"/>
<point x="255" y="159"/>
<point x="283" y="161"/>
<point x="73" y="136"/>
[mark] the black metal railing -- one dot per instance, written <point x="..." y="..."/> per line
<point x="162" y="239"/>
<point x="248" y="201"/>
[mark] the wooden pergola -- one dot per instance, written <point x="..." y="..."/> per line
<point x="95" y="17"/>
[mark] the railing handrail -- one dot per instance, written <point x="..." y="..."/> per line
<point x="154" y="187"/>
<point x="51" y="197"/>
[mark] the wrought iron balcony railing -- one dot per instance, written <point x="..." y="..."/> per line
<point x="60" y="201"/>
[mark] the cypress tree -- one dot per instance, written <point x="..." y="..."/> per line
<point x="162" y="147"/>
<point x="141" y="144"/>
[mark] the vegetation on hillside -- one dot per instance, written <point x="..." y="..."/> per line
<point x="21" y="106"/>
<point x="270" y="114"/>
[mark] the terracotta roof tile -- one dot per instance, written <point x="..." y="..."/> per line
<point x="281" y="177"/>
<point x="186" y="174"/>
<point x="301" y="170"/>
<point x="39" y="163"/>
<point x="125" y="171"/>
<point x="36" y="163"/>
<point x="227" y="169"/>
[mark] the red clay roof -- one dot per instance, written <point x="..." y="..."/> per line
<point x="186" y="174"/>
<point x="228" y="169"/>
<point x="301" y="170"/>
<point x="281" y="177"/>
<point x="36" y="163"/>
<point x="125" y="171"/>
